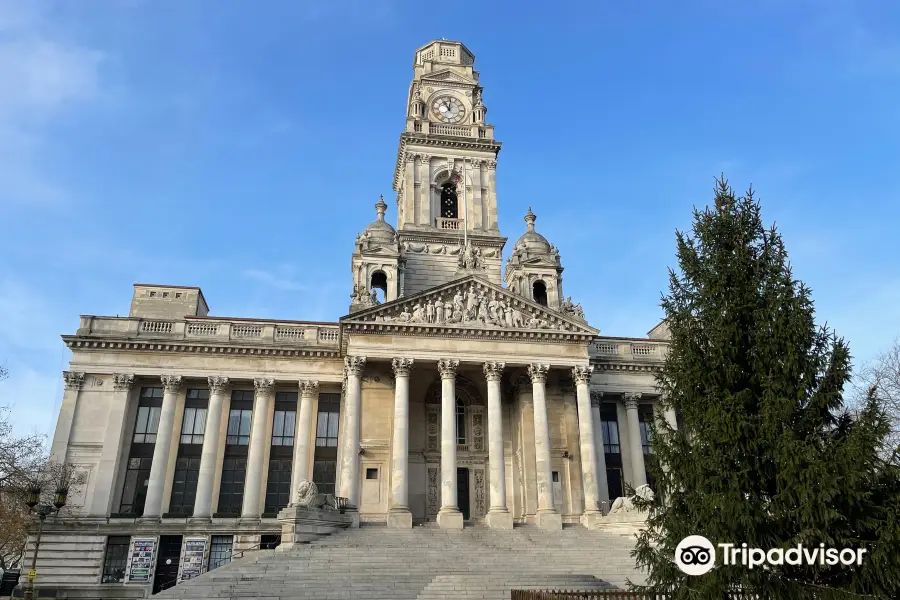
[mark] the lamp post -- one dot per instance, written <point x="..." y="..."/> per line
<point x="32" y="500"/>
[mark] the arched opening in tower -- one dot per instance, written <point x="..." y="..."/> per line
<point x="379" y="284"/>
<point x="539" y="292"/>
<point x="449" y="202"/>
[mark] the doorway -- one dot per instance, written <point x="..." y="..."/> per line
<point x="462" y="491"/>
<point x="167" y="562"/>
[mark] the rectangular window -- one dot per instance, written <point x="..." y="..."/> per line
<point x="231" y="492"/>
<point x="327" y="429"/>
<point x="324" y="475"/>
<point x="146" y="425"/>
<point x="278" y="485"/>
<point x="238" y="427"/>
<point x="193" y="425"/>
<point x="283" y="428"/>
<point x="115" y="559"/>
<point x="371" y="473"/>
<point x="134" y="492"/>
<point x="609" y="426"/>
<point x="220" y="550"/>
<point x="184" y="485"/>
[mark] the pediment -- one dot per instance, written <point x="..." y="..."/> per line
<point x="445" y="76"/>
<point x="470" y="307"/>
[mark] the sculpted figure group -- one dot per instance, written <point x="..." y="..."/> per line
<point x="362" y="297"/>
<point x="473" y="307"/>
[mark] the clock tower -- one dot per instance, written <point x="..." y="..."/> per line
<point x="445" y="174"/>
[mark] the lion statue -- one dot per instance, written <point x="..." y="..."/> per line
<point x="626" y="505"/>
<point x="308" y="497"/>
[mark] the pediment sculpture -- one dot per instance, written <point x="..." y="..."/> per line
<point x="362" y="297"/>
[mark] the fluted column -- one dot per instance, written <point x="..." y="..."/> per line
<point x="547" y="516"/>
<point x="157" y="482"/>
<point x="209" y="455"/>
<point x="590" y="475"/>
<point x="303" y="441"/>
<point x="449" y="517"/>
<point x="498" y="516"/>
<point x="354" y="367"/>
<point x="599" y="444"/>
<point x="256" y="454"/>
<point x="638" y="470"/>
<point x="400" y="515"/>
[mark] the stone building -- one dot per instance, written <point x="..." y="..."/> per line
<point x="456" y="388"/>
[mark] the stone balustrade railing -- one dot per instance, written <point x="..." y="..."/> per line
<point x="626" y="349"/>
<point x="204" y="329"/>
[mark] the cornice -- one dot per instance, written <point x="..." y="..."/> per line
<point x="466" y="332"/>
<point x="436" y="236"/>
<point x="100" y="344"/>
<point x="418" y="138"/>
<point x="631" y="367"/>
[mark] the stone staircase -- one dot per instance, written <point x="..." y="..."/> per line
<point x="425" y="563"/>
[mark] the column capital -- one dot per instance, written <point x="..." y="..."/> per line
<point x="217" y="385"/>
<point x="447" y="367"/>
<point x="538" y="372"/>
<point x="402" y="366"/>
<point x="493" y="371"/>
<point x="631" y="400"/>
<point x="582" y="374"/>
<point x="355" y="365"/>
<point x="122" y="382"/>
<point x="308" y="387"/>
<point x="596" y="398"/>
<point x="172" y="383"/>
<point x="264" y="385"/>
<point x="74" y="379"/>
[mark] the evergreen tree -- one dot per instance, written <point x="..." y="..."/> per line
<point x="767" y="454"/>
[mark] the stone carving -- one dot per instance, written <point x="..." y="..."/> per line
<point x="122" y="382"/>
<point x="264" y="385"/>
<point x="471" y="258"/>
<point x="447" y="367"/>
<point x="171" y="383"/>
<point x="73" y="379"/>
<point x="308" y="388"/>
<point x="217" y="385"/>
<point x="479" y="493"/>
<point x="582" y="374"/>
<point x="402" y="366"/>
<point x="596" y="398"/>
<point x="493" y="371"/>
<point x="477" y="431"/>
<point x="433" y="428"/>
<point x="538" y="372"/>
<point x="626" y="504"/>
<point x="361" y="297"/>
<point x="573" y="310"/>
<point x="631" y="400"/>
<point x="432" y="491"/>
<point x="309" y="498"/>
<point x="355" y="365"/>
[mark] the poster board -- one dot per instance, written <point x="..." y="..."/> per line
<point x="194" y="556"/>
<point x="141" y="560"/>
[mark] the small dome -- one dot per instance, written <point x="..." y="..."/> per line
<point x="380" y="230"/>
<point x="531" y="242"/>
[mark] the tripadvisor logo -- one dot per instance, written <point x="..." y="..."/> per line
<point x="696" y="555"/>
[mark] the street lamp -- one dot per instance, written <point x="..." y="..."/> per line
<point x="32" y="500"/>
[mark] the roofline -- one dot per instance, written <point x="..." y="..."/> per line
<point x="215" y="318"/>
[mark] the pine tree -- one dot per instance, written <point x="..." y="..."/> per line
<point x="766" y="454"/>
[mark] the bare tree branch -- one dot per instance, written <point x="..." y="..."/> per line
<point x="883" y="373"/>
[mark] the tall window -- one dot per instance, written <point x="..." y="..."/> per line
<point x="460" y="422"/>
<point x="234" y="465"/>
<point x="645" y="415"/>
<point x="539" y="292"/>
<point x="278" y="483"/>
<point x="220" y="551"/>
<point x="449" y="203"/>
<point x="609" y="425"/>
<point x="187" y="465"/>
<point x="115" y="559"/>
<point x="325" y="459"/>
<point x="140" y="455"/>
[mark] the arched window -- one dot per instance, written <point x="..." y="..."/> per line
<point x="460" y="422"/>
<point x="539" y="292"/>
<point x="449" y="203"/>
<point x="379" y="283"/>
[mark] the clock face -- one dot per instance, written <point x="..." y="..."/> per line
<point x="448" y="109"/>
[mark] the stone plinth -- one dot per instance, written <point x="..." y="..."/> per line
<point x="548" y="519"/>
<point x="302" y="525"/>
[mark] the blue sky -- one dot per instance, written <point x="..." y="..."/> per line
<point x="219" y="144"/>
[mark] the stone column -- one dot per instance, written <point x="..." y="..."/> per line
<point x="354" y="366"/>
<point x="526" y="451"/>
<point x="449" y="517"/>
<point x="256" y="453"/>
<point x="303" y="440"/>
<point x="74" y="381"/>
<point x="209" y="455"/>
<point x="498" y="516"/>
<point x="638" y="472"/>
<point x="157" y="482"/>
<point x="547" y="516"/>
<point x="400" y="515"/>
<point x="599" y="444"/>
<point x="423" y="189"/>
<point x="590" y="475"/>
<point x="112" y="456"/>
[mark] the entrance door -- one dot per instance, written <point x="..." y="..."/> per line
<point x="167" y="560"/>
<point x="462" y="491"/>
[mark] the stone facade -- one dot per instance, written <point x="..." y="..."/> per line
<point x="456" y="393"/>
